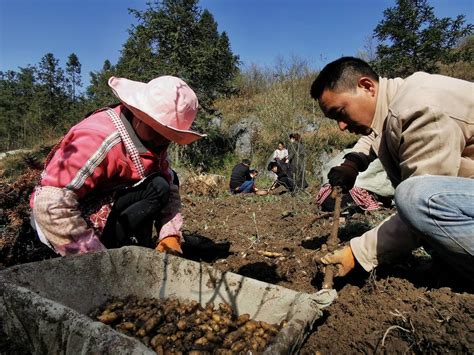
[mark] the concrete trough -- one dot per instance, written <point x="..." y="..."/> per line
<point x="44" y="305"/>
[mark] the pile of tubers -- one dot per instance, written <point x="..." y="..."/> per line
<point x="171" y="326"/>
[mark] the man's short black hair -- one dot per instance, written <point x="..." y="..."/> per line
<point x="246" y="161"/>
<point x="342" y="74"/>
<point x="271" y="165"/>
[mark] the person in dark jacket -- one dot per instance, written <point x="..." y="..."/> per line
<point x="241" y="178"/>
<point x="282" y="178"/>
<point x="296" y="161"/>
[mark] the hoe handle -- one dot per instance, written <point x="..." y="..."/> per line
<point x="333" y="240"/>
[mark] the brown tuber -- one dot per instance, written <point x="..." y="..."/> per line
<point x="238" y="346"/>
<point x="232" y="338"/>
<point x="158" y="339"/>
<point x="126" y="326"/>
<point x="182" y="324"/>
<point x="108" y="318"/>
<point x="242" y="319"/>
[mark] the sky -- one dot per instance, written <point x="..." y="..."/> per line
<point x="260" y="31"/>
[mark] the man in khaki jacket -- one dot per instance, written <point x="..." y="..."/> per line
<point x="422" y="130"/>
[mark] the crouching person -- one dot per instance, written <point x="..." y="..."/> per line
<point x="242" y="179"/>
<point x="109" y="179"/>
<point x="282" y="178"/>
<point x="407" y="124"/>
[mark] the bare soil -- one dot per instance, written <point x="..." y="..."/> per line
<point x="417" y="305"/>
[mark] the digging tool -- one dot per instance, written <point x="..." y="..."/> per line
<point x="271" y="187"/>
<point x="333" y="240"/>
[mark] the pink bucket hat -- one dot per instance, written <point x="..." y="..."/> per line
<point x="166" y="104"/>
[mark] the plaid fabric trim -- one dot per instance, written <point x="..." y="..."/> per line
<point x="94" y="161"/>
<point x="323" y="194"/>
<point x="361" y="197"/>
<point x="364" y="199"/>
<point x="127" y="141"/>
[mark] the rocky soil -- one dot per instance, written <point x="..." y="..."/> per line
<point x="416" y="305"/>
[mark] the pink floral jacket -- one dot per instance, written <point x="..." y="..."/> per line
<point x="97" y="156"/>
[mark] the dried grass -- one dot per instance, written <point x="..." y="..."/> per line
<point x="208" y="185"/>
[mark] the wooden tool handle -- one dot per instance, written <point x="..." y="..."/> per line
<point x="333" y="240"/>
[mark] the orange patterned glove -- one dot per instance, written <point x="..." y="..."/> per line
<point x="170" y="244"/>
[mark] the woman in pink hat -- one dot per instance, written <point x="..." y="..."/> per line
<point x="109" y="179"/>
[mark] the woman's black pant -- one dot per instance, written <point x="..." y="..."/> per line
<point x="131" y="220"/>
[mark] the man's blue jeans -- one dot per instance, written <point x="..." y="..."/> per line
<point x="246" y="187"/>
<point x="441" y="209"/>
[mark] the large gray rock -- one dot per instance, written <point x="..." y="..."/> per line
<point x="243" y="133"/>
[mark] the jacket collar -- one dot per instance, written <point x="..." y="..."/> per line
<point x="131" y="132"/>
<point x="387" y="90"/>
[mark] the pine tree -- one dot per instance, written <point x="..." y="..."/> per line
<point x="99" y="93"/>
<point x="174" y="37"/>
<point x="214" y="64"/>
<point x="73" y="71"/>
<point x="51" y="90"/>
<point x="413" y="39"/>
<point x="7" y="109"/>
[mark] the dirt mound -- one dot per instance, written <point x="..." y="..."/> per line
<point x="393" y="315"/>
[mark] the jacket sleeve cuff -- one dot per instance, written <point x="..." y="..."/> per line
<point x="171" y="219"/>
<point x="172" y="228"/>
<point x="83" y="244"/>
<point x="362" y="254"/>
